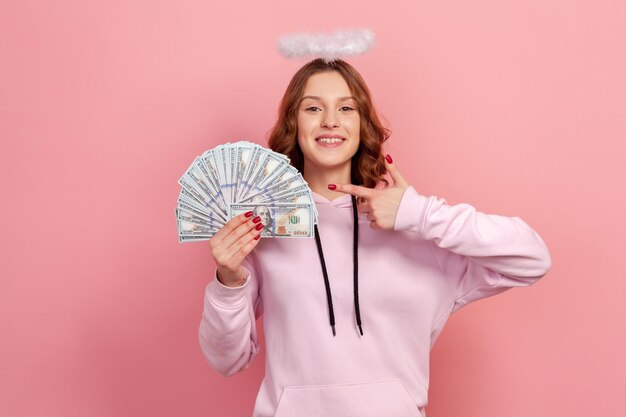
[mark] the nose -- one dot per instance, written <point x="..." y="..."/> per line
<point x="330" y="120"/>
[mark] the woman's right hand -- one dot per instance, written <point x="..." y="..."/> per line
<point x="232" y="244"/>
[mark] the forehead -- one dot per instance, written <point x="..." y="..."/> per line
<point x="326" y="84"/>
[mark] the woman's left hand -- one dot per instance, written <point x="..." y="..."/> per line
<point x="381" y="205"/>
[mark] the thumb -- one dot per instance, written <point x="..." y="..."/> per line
<point x="398" y="179"/>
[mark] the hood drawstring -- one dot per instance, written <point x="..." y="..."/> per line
<point x="355" y="270"/>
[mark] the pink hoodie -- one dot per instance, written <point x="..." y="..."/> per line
<point x="438" y="259"/>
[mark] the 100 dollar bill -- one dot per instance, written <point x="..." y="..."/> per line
<point x="280" y="220"/>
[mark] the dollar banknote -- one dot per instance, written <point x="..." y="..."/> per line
<point x="233" y="178"/>
<point x="280" y="220"/>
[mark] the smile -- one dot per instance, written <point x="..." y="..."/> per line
<point x="330" y="140"/>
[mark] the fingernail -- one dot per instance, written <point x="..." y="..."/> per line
<point x="248" y="214"/>
<point x="259" y="226"/>
<point x="388" y="158"/>
<point x="256" y="219"/>
<point x="332" y="186"/>
<point x="257" y="237"/>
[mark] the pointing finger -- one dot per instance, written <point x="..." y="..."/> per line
<point x="355" y="190"/>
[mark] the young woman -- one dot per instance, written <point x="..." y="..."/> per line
<point x="350" y="316"/>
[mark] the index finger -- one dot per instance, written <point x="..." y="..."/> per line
<point x="232" y="224"/>
<point x="355" y="190"/>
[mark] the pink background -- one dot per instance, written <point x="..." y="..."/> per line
<point x="516" y="107"/>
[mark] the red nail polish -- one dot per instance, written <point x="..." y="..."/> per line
<point x="259" y="226"/>
<point x="388" y="158"/>
<point x="256" y="219"/>
<point x="332" y="186"/>
<point x="257" y="237"/>
<point x="248" y="214"/>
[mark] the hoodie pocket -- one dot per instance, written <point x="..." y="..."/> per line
<point x="375" y="399"/>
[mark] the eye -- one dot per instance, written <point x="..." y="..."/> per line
<point x="346" y="108"/>
<point x="313" y="108"/>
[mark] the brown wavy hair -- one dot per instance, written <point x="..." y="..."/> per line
<point x="368" y="165"/>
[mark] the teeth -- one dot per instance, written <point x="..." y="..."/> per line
<point x="329" y="140"/>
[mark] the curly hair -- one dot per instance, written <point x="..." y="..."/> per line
<point x="368" y="165"/>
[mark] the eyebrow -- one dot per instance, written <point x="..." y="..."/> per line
<point x="319" y="98"/>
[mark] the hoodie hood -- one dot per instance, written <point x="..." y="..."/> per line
<point x="343" y="201"/>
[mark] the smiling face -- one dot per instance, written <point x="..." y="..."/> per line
<point x="328" y="123"/>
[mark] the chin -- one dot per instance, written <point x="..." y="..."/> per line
<point x="329" y="163"/>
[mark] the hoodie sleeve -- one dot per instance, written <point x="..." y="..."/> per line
<point x="479" y="254"/>
<point x="228" y="333"/>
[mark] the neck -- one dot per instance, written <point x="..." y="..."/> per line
<point x="319" y="178"/>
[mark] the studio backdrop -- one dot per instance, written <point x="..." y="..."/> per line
<point x="515" y="107"/>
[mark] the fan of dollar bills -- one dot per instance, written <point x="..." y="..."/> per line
<point x="238" y="177"/>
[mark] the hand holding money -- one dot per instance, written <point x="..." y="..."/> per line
<point x="231" y="244"/>
<point x="236" y="178"/>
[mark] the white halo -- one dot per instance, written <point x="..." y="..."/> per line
<point x="326" y="46"/>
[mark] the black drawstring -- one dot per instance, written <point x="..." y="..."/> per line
<point x="331" y="312"/>
<point x="355" y="263"/>
<point x="355" y="266"/>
